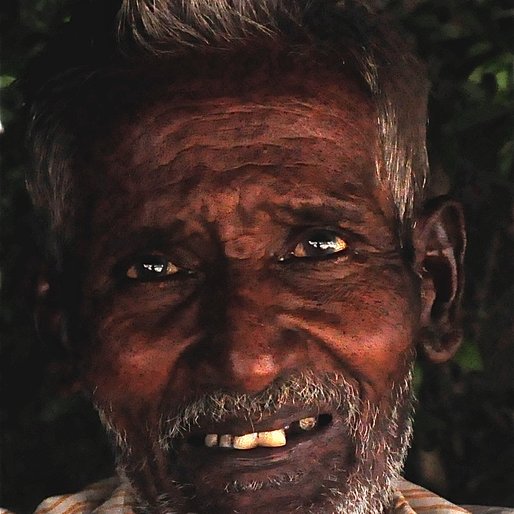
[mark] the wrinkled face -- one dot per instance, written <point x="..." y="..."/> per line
<point x="247" y="316"/>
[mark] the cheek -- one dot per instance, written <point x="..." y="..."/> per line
<point x="378" y="327"/>
<point x="135" y="371"/>
<point x="365" y="327"/>
<point x="132" y="352"/>
<point x="366" y="323"/>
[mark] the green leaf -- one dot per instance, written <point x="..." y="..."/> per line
<point x="417" y="378"/>
<point x="469" y="358"/>
<point x="6" y="80"/>
<point x="507" y="158"/>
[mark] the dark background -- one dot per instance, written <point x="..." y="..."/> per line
<point x="464" y="446"/>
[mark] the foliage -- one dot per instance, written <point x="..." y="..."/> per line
<point x="464" y="444"/>
<point x="464" y="424"/>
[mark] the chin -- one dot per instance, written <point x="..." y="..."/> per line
<point x="310" y="444"/>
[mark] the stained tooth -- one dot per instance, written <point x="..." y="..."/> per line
<point x="211" y="440"/>
<point x="307" y="423"/>
<point x="226" y="441"/>
<point x="272" y="439"/>
<point x="245" y="442"/>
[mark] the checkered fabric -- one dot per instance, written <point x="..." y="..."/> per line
<point x="113" y="496"/>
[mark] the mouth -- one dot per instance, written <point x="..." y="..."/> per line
<point x="302" y="446"/>
<point x="287" y="434"/>
<point x="295" y="442"/>
<point x="291" y="454"/>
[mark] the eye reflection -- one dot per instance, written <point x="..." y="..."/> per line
<point x="318" y="243"/>
<point x="151" y="267"/>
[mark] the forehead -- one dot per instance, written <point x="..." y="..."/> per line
<point x="211" y="149"/>
<point x="303" y="118"/>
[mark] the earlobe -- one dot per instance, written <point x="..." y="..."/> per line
<point x="439" y="241"/>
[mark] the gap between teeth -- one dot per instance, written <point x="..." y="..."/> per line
<point x="269" y="439"/>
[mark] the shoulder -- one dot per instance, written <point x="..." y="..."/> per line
<point x="419" y="499"/>
<point x="104" y="497"/>
<point x="478" y="509"/>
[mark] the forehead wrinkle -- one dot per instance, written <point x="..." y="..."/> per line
<point x="222" y="166"/>
<point x="236" y="192"/>
<point x="239" y="140"/>
<point x="214" y="133"/>
<point x="220" y="107"/>
<point x="295" y="125"/>
<point x="208" y="146"/>
<point x="192" y="123"/>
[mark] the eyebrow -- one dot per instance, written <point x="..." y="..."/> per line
<point x="145" y="238"/>
<point x="341" y="210"/>
<point x="336" y="207"/>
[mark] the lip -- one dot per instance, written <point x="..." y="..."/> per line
<point x="312" y="453"/>
<point x="260" y="457"/>
<point x="286" y="416"/>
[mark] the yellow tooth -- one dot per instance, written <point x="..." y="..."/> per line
<point x="245" y="442"/>
<point x="307" y="423"/>
<point x="272" y="439"/>
<point x="226" y="441"/>
<point x="211" y="440"/>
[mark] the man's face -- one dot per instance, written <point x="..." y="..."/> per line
<point x="242" y="275"/>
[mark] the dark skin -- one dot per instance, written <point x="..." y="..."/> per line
<point x="236" y="239"/>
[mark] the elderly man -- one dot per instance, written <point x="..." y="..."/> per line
<point x="244" y="263"/>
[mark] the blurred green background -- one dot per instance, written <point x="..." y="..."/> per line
<point x="464" y="444"/>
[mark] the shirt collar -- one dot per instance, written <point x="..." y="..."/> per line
<point x="115" y="496"/>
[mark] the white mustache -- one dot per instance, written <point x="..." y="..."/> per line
<point x="306" y="389"/>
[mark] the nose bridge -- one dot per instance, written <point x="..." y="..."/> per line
<point x="245" y="352"/>
<point x="251" y="345"/>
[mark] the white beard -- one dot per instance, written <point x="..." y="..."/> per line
<point x="381" y="436"/>
<point x="370" y="491"/>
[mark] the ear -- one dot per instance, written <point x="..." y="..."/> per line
<point x="439" y="240"/>
<point x="48" y="316"/>
<point x="50" y="323"/>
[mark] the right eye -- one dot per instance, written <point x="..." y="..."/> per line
<point x="317" y="244"/>
<point x="151" y="268"/>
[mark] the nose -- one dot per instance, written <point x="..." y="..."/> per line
<point x="248" y="356"/>
<point x="249" y="350"/>
<point x="253" y="371"/>
<point x="255" y="355"/>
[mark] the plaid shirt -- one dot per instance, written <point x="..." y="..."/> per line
<point x="112" y="496"/>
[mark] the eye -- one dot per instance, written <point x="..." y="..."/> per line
<point x="318" y="243"/>
<point x="151" y="267"/>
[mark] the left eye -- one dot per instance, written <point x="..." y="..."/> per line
<point x="317" y="244"/>
<point x="151" y="267"/>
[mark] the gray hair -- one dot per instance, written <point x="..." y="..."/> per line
<point x="166" y="30"/>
